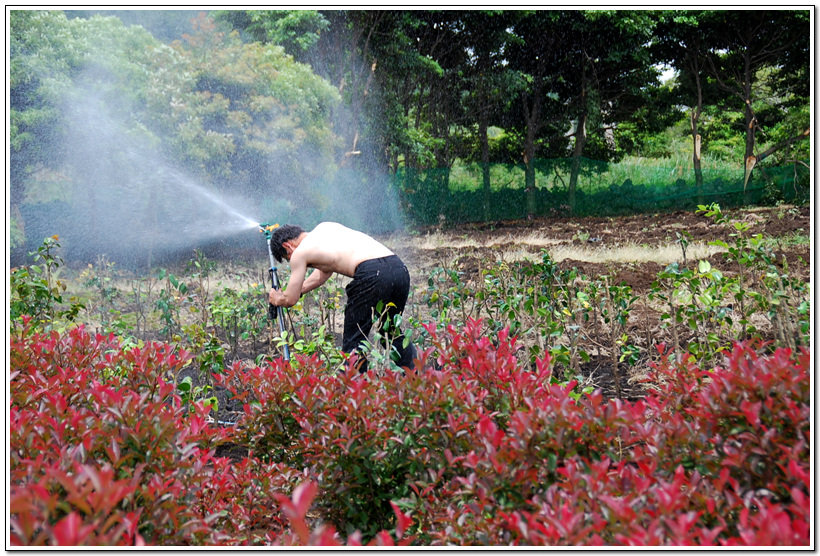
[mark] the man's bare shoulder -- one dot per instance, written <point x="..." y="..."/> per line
<point x="324" y="228"/>
<point x="333" y="247"/>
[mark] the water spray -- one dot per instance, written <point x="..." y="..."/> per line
<point x="274" y="312"/>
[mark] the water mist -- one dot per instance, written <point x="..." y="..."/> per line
<point x="119" y="195"/>
<point x="127" y="201"/>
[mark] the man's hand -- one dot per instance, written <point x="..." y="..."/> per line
<point x="276" y="297"/>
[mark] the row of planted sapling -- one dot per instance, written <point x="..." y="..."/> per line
<point x="219" y="313"/>
<point x="576" y="318"/>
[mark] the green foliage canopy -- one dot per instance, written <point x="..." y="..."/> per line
<point x="86" y="94"/>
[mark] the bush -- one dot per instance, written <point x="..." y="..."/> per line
<point x="35" y="290"/>
<point x="480" y="450"/>
<point x="105" y="453"/>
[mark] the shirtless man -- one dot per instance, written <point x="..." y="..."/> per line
<point x="378" y="275"/>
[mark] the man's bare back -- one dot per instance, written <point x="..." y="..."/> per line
<point x="331" y="247"/>
<point x="328" y="248"/>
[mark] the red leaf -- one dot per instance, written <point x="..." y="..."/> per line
<point x="402" y="520"/>
<point x="486" y="427"/>
<point x="324" y="536"/>
<point x="751" y="411"/>
<point x="382" y="538"/>
<point x="296" y="508"/>
<point x="69" y="531"/>
<point x="303" y="496"/>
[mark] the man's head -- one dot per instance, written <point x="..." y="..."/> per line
<point x="280" y="236"/>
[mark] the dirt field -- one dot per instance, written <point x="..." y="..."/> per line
<point x="633" y="250"/>
<point x="636" y="248"/>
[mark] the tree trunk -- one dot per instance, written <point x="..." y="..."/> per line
<point x="361" y="69"/>
<point x="580" y="140"/>
<point x="696" y="163"/>
<point x="531" y="117"/>
<point x="693" y="61"/>
<point x="485" y="159"/>
<point x="696" y="138"/>
<point x="751" y="124"/>
<point x="529" y="172"/>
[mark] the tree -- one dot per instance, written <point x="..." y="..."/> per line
<point x="384" y="69"/>
<point x="58" y="67"/>
<point x="164" y="25"/>
<point x="682" y="43"/>
<point x="337" y="45"/>
<point x="746" y="42"/>
<point x="244" y="112"/>
<point x="487" y="38"/>
<point x="297" y="31"/>
<point x="612" y="71"/>
<point x="109" y="121"/>
<point x="536" y="56"/>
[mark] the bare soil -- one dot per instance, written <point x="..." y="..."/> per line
<point x="624" y="248"/>
<point x="596" y="239"/>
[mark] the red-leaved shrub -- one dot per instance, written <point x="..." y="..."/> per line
<point x="482" y="450"/>
<point x="103" y="452"/>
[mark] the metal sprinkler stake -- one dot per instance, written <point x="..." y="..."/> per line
<point x="277" y="314"/>
<point x="274" y="312"/>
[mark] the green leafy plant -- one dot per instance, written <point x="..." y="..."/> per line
<point x="241" y="315"/>
<point x="322" y="344"/>
<point x="101" y="279"/>
<point x="782" y="299"/>
<point x="36" y="291"/>
<point x="450" y="298"/>
<point x="618" y="301"/>
<point x="684" y="237"/>
<point x="169" y="302"/>
<point x="201" y="268"/>
<point x="190" y="394"/>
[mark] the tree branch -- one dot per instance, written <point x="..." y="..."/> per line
<point x="782" y="144"/>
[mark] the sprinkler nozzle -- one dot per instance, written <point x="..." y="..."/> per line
<point x="267" y="229"/>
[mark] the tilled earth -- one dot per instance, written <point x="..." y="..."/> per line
<point x="598" y="242"/>
<point x="630" y="250"/>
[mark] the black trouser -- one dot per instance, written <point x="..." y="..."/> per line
<point x="384" y="280"/>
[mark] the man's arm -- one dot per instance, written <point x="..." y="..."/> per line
<point x="316" y="279"/>
<point x="290" y="296"/>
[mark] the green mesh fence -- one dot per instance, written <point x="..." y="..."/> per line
<point x="459" y="194"/>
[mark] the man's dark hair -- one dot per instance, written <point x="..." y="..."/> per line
<point x="279" y="236"/>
